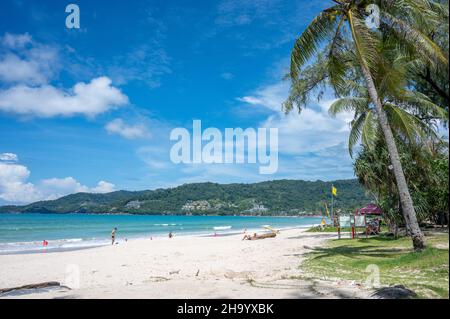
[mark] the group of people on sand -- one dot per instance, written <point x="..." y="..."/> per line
<point x="114" y="231"/>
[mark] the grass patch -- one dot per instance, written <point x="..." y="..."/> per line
<point x="326" y="229"/>
<point x="424" y="272"/>
<point x="332" y="229"/>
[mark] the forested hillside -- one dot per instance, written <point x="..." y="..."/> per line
<point x="283" y="197"/>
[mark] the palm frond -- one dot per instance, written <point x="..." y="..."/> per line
<point x="424" y="46"/>
<point x="349" y="104"/>
<point x="355" y="132"/>
<point x="366" y="41"/>
<point x="406" y="123"/>
<point x="423" y="103"/>
<point x="310" y="40"/>
<point x="369" y="132"/>
<point x="337" y="64"/>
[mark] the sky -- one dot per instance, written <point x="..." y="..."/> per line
<point x="91" y="109"/>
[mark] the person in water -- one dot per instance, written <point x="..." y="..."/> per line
<point x="113" y="235"/>
<point x="170" y="235"/>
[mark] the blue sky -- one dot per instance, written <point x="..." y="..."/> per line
<point x="91" y="109"/>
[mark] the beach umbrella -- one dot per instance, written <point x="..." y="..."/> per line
<point x="370" y="209"/>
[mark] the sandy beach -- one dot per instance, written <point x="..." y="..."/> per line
<point x="182" y="267"/>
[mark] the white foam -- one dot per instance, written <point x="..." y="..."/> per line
<point x="222" y="227"/>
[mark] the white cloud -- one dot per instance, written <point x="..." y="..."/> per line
<point x="25" y="61"/>
<point x="15" y="41"/>
<point x="14" y="69"/>
<point x="62" y="186"/>
<point x="88" y="99"/>
<point x="103" y="187"/>
<point x="270" y="96"/>
<point x="8" y="157"/>
<point x="118" y="126"/>
<point x="15" y="187"/>
<point x="27" y="69"/>
<point x="306" y="139"/>
<point x="311" y="130"/>
<point x="58" y="187"/>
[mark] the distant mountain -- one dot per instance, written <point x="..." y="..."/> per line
<point x="282" y="197"/>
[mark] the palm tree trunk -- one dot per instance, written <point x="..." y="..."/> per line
<point x="409" y="213"/>
<point x="408" y="210"/>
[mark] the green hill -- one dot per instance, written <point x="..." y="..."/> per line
<point x="282" y="197"/>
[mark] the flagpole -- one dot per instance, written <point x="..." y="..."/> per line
<point x="332" y="205"/>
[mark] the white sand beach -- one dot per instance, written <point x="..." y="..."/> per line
<point x="182" y="267"/>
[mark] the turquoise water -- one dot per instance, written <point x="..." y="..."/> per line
<point x="26" y="232"/>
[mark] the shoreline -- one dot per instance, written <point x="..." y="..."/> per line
<point x="123" y="240"/>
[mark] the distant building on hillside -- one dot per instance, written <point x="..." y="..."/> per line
<point x="135" y="204"/>
<point x="200" y="205"/>
<point x="256" y="209"/>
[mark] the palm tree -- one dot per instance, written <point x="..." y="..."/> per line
<point x="347" y="15"/>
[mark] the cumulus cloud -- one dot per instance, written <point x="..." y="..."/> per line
<point x="27" y="69"/>
<point x="60" y="186"/>
<point x="103" y="187"/>
<point x="88" y="99"/>
<point x="57" y="187"/>
<point x="15" y="187"/>
<point x="118" y="126"/>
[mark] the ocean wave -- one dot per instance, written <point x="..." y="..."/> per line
<point x="222" y="227"/>
<point x="165" y="225"/>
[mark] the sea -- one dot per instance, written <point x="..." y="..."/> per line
<point x="26" y="233"/>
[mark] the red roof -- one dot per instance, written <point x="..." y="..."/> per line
<point x="370" y="209"/>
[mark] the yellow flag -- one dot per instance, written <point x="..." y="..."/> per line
<point x="334" y="191"/>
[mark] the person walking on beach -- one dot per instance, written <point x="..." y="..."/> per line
<point x="113" y="235"/>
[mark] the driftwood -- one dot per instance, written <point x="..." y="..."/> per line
<point x="33" y="286"/>
<point x="263" y="236"/>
